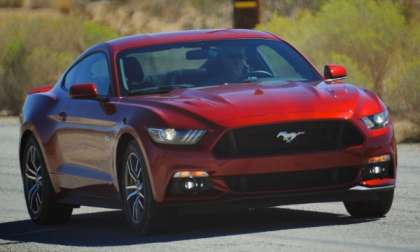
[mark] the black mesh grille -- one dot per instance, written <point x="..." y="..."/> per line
<point x="292" y="180"/>
<point x="265" y="140"/>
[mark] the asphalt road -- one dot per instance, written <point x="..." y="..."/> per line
<point x="312" y="227"/>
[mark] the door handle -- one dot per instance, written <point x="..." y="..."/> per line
<point x="62" y="116"/>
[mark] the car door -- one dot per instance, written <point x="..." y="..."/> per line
<point x="86" y="143"/>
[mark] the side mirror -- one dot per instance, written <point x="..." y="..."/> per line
<point x="83" y="91"/>
<point x="334" y="72"/>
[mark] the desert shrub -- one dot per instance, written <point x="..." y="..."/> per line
<point x="36" y="49"/>
<point x="405" y="96"/>
<point x="64" y="6"/>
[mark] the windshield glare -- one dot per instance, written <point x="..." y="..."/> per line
<point x="186" y="65"/>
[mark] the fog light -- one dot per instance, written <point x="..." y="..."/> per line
<point x="376" y="170"/>
<point x="189" y="185"/>
<point x="378" y="167"/>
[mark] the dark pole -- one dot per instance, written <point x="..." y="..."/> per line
<point x="246" y="13"/>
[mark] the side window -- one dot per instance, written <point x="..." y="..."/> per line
<point x="70" y="77"/>
<point x="92" y="69"/>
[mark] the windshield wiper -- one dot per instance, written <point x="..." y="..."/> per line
<point x="154" y="90"/>
<point x="251" y="79"/>
<point x="158" y="89"/>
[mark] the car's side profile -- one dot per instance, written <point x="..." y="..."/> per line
<point x="203" y="117"/>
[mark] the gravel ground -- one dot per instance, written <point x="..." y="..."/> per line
<point x="312" y="227"/>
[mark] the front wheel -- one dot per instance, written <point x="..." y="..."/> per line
<point x="371" y="208"/>
<point x="138" y="203"/>
<point x="39" y="193"/>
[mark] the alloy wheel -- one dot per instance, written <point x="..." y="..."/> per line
<point x="135" y="187"/>
<point x="34" y="179"/>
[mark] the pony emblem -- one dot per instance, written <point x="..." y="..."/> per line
<point x="289" y="137"/>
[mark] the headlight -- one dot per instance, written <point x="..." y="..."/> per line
<point x="175" y="136"/>
<point x="376" y="121"/>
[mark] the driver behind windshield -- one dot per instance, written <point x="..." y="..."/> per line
<point x="230" y="65"/>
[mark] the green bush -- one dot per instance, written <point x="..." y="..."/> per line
<point x="36" y="49"/>
<point x="12" y="72"/>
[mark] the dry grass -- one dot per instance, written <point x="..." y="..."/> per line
<point x="11" y="3"/>
<point x="7" y="13"/>
<point x="160" y="15"/>
<point x="407" y="131"/>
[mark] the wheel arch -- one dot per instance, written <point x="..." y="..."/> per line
<point x="28" y="130"/>
<point x="23" y="140"/>
<point x="124" y="137"/>
<point x="121" y="145"/>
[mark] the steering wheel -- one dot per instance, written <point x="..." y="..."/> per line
<point x="260" y="74"/>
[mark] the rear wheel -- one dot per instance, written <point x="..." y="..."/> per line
<point x="39" y="193"/>
<point x="372" y="208"/>
<point x="135" y="189"/>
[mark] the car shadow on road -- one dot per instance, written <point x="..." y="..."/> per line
<point x="110" y="229"/>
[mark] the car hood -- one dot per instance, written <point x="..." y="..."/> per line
<point x="236" y="105"/>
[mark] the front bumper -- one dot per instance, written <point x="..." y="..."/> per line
<point x="355" y="193"/>
<point x="165" y="162"/>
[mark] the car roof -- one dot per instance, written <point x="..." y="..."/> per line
<point x="151" y="39"/>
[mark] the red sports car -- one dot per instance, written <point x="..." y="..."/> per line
<point x="205" y="117"/>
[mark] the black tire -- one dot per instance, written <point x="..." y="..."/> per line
<point x="136" y="193"/>
<point x="39" y="193"/>
<point x="373" y="208"/>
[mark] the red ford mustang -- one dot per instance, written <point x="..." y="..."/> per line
<point x="203" y="117"/>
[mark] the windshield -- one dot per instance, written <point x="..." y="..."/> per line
<point x="187" y="65"/>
